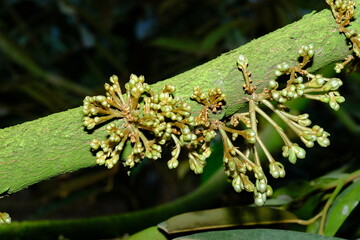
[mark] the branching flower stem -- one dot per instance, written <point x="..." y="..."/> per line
<point x="144" y="139"/>
<point x="295" y="127"/>
<point x="280" y="114"/>
<point x="228" y="145"/>
<point x="313" y="97"/>
<point x="253" y="123"/>
<point x="344" y="12"/>
<point x="264" y="148"/>
<point x="248" y="161"/>
<point x="232" y="130"/>
<point x="280" y="131"/>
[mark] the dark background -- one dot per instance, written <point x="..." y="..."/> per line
<point x="54" y="53"/>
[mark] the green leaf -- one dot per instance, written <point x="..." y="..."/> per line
<point x="309" y="206"/>
<point x="225" y="218"/>
<point x="294" y="190"/>
<point x="298" y="189"/>
<point x="151" y="233"/>
<point x="331" y="179"/>
<point x="258" y="234"/>
<point x="314" y="227"/>
<point x="342" y="207"/>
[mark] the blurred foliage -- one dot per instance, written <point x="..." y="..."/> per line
<point x="53" y="53"/>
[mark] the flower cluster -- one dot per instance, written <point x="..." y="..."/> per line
<point x="238" y="167"/>
<point x="303" y="84"/>
<point x="306" y="85"/>
<point x="213" y="101"/>
<point x="299" y="83"/>
<point x="205" y="128"/>
<point x="148" y="120"/>
<point x="343" y="12"/>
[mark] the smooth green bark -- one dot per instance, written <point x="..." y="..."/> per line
<point x="37" y="150"/>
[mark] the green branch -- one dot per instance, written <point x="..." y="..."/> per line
<point x="40" y="149"/>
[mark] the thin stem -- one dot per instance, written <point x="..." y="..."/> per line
<point x="328" y="205"/>
<point x="266" y="151"/>
<point x="253" y="121"/>
<point x="280" y="131"/>
<point x="226" y="141"/>
<point x="309" y="221"/>
<point x="119" y="93"/>
<point x="229" y="146"/>
<point x="227" y="129"/>
<point x="103" y="119"/>
<point x="292" y="77"/>
<point x="284" y="118"/>
<point x="313" y="90"/>
<point x="256" y="155"/>
<point x="249" y="89"/>
<point x="125" y="137"/>
<point x="116" y="102"/>
<point x="351" y="177"/>
<point x="247" y="160"/>
<point x="144" y="139"/>
<point x="313" y="97"/>
<point x="109" y="111"/>
<point x="290" y="116"/>
<point x="347" y="60"/>
<point x="305" y="61"/>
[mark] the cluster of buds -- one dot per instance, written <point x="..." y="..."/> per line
<point x="146" y="125"/>
<point x="242" y="64"/>
<point x="306" y="85"/>
<point x="148" y="120"/>
<point x="300" y="83"/>
<point x="324" y="90"/>
<point x="205" y="128"/>
<point x="293" y="152"/>
<point x="300" y="124"/>
<point x="303" y="84"/>
<point x="343" y="12"/>
<point x="213" y="101"/>
<point x="238" y="168"/>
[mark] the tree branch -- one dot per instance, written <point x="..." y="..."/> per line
<point x="40" y="149"/>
